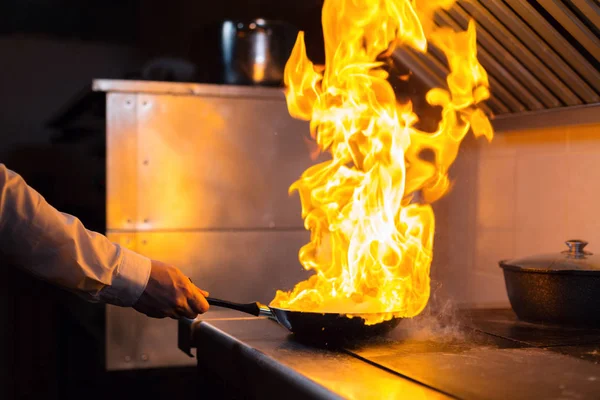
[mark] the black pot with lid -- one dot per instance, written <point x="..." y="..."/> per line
<point x="557" y="288"/>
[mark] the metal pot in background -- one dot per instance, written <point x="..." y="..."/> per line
<point x="561" y="288"/>
<point x="255" y="52"/>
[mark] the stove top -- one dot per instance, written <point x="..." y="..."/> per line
<point x="484" y="354"/>
<point x="504" y="323"/>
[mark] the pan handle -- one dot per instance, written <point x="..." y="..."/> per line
<point x="256" y="309"/>
<point x="249" y="308"/>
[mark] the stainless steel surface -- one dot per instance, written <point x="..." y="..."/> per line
<point x="186" y="89"/>
<point x="198" y="176"/>
<point x="121" y="161"/>
<point x="575" y="26"/>
<point x="557" y="42"/>
<point x="225" y="154"/>
<point x="520" y="81"/>
<point x="514" y="46"/>
<point x="498" y="374"/>
<point x="225" y="263"/>
<point x="539" y="81"/>
<point x="576" y="248"/>
<point x="564" y="116"/>
<point x="589" y="8"/>
<point x="532" y="65"/>
<point x="475" y="355"/>
<point x="471" y="364"/>
<point x="522" y="32"/>
<point x="214" y="163"/>
<point x="431" y="71"/>
<point x="255" y="52"/>
<point x="244" y="344"/>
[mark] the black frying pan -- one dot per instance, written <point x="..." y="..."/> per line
<point x="327" y="328"/>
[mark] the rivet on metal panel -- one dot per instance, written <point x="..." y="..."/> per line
<point x="145" y="103"/>
<point x="144" y="357"/>
<point x="128" y="220"/>
<point x="146" y="162"/>
<point x="144" y="241"/>
<point x="146" y="220"/>
<point x="128" y="103"/>
<point x="127" y="359"/>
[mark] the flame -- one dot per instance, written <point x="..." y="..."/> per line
<point x="369" y="207"/>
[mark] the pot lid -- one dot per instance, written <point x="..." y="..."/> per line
<point x="574" y="258"/>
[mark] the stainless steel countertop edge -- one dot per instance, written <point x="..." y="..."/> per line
<point x="187" y="89"/>
<point x="291" y="377"/>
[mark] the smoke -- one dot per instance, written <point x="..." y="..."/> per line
<point x="440" y="321"/>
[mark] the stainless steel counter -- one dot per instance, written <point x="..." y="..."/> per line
<point x="487" y="355"/>
<point x="258" y="358"/>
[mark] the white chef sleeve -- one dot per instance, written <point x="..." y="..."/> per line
<point x="56" y="247"/>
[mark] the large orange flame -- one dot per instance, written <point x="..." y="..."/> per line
<point x="368" y="208"/>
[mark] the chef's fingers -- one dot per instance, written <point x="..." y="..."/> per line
<point x="197" y="302"/>
<point x="204" y="292"/>
<point x="186" y="311"/>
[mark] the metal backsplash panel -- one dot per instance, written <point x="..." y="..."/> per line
<point x="204" y="163"/>
<point x="199" y="178"/>
<point x="121" y="161"/>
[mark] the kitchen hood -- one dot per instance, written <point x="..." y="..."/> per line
<point x="542" y="57"/>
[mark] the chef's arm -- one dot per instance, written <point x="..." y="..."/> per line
<point x="56" y="247"/>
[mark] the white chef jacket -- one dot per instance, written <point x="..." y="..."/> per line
<point x="56" y="247"/>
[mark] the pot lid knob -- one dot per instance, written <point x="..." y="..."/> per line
<point x="576" y="248"/>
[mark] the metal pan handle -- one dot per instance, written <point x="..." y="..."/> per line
<point x="256" y="309"/>
<point x="249" y="308"/>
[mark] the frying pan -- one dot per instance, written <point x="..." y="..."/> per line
<point x="318" y="328"/>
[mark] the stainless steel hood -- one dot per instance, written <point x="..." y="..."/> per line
<point x="539" y="55"/>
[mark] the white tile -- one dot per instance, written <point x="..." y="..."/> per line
<point x="452" y="279"/>
<point x="541" y="202"/>
<point x="488" y="290"/>
<point x="584" y="138"/>
<point x="533" y="141"/>
<point x="496" y="192"/>
<point x="501" y="145"/>
<point x="471" y="287"/>
<point x="540" y="141"/>
<point x="583" y="191"/>
<point x="492" y="246"/>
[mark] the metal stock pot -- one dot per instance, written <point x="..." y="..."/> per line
<point x="255" y="52"/>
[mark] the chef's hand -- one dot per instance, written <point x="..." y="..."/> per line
<point x="170" y="293"/>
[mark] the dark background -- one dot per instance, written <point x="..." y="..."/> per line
<point x="52" y="133"/>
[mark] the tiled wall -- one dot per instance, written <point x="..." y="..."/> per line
<point x="524" y="193"/>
